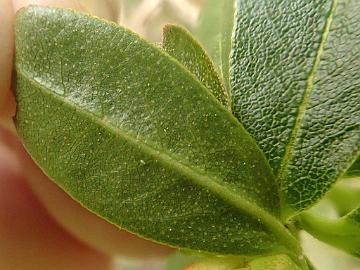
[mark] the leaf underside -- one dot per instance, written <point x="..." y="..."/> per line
<point x="179" y="43"/>
<point x="134" y="137"/>
<point x="295" y="76"/>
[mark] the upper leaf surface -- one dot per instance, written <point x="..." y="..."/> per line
<point x="296" y="76"/>
<point x="179" y="43"/>
<point x="135" y="137"/>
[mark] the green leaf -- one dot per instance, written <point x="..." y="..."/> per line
<point x="354" y="170"/>
<point x="179" y="43"/>
<point x="296" y="78"/>
<point x="133" y="136"/>
<point x="214" y="32"/>
<point x="343" y="233"/>
<point x="278" y="262"/>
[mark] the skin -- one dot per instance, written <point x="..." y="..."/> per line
<point x="40" y="225"/>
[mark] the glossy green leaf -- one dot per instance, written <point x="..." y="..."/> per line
<point x="278" y="262"/>
<point x="343" y="233"/>
<point x="215" y="31"/>
<point x="296" y="88"/>
<point x="136" y="138"/>
<point x="179" y="43"/>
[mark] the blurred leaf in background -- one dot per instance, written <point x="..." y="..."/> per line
<point x="147" y="17"/>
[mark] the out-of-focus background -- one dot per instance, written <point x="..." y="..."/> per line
<point x="147" y="18"/>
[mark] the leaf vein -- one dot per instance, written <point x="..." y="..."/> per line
<point x="306" y="97"/>
<point x="196" y="175"/>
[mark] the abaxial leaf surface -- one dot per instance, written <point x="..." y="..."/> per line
<point x="295" y="79"/>
<point x="135" y="137"/>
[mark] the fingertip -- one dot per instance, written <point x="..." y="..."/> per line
<point x="7" y="112"/>
<point x="9" y="163"/>
<point x="30" y="238"/>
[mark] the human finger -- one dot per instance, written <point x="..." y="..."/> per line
<point x="30" y="238"/>
<point x="7" y="104"/>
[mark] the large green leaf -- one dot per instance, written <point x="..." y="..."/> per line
<point x="135" y="137"/>
<point x="295" y="74"/>
<point x="179" y="43"/>
<point x="215" y="31"/>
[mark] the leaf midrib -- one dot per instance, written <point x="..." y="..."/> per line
<point x="191" y="172"/>
<point x="306" y="97"/>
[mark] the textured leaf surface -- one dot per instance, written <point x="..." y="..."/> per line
<point x="179" y="43"/>
<point x="128" y="132"/>
<point x="296" y="89"/>
<point x="215" y="31"/>
<point x="343" y="233"/>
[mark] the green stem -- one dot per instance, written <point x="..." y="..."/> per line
<point x="310" y="265"/>
<point x="345" y="195"/>
<point x="342" y="233"/>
